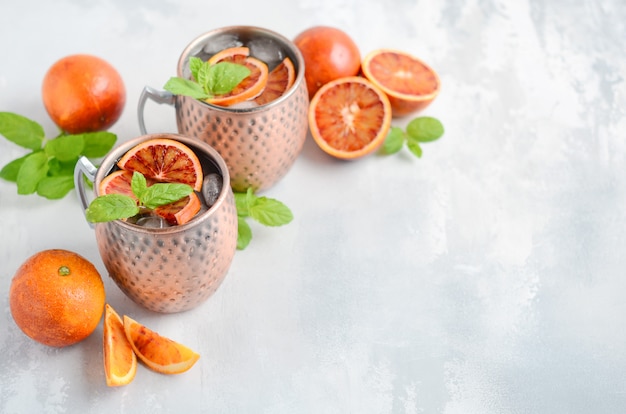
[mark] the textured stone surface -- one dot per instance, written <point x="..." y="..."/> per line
<point x="486" y="277"/>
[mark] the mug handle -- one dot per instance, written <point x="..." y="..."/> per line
<point x="160" y="97"/>
<point x="84" y="167"/>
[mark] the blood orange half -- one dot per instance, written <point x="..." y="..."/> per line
<point x="250" y="87"/>
<point x="280" y="79"/>
<point x="164" y="160"/>
<point x="349" y="117"/>
<point x="410" y="84"/>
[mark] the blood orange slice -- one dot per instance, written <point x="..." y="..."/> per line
<point x="158" y="352"/>
<point x="349" y="117"/>
<point x="181" y="211"/>
<point x="410" y="84"/>
<point x="280" y="79"/>
<point x="118" y="182"/>
<point x="164" y="160"/>
<point x="120" y="361"/>
<point x="248" y="88"/>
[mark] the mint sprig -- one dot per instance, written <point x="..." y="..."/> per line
<point x="111" y="207"/>
<point x="209" y="80"/>
<point x="419" y="130"/>
<point x="48" y="167"/>
<point x="267" y="211"/>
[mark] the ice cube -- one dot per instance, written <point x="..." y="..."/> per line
<point x="152" y="222"/>
<point x="221" y="42"/>
<point x="211" y="188"/>
<point x="267" y="50"/>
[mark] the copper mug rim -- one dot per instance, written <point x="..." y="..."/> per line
<point x="114" y="155"/>
<point x="289" y="47"/>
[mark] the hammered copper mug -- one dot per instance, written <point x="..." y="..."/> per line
<point x="259" y="144"/>
<point x="169" y="269"/>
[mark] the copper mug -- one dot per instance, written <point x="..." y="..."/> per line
<point x="169" y="269"/>
<point x="259" y="144"/>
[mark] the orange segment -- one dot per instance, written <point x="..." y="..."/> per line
<point x="181" y="211"/>
<point x="349" y="117"/>
<point x="159" y="353"/>
<point x="410" y="84"/>
<point x="280" y="79"/>
<point x="248" y="88"/>
<point x="120" y="361"/>
<point x="164" y="160"/>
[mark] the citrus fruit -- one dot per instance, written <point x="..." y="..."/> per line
<point x="83" y="93"/>
<point x="164" y="160"/>
<point x="349" y="117"/>
<point x="120" y="361"/>
<point x="410" y="84"/>
<point x="329" y="53"/>
<point x="57" y="297"/>
<point x="248" y="88"/>
<point x="181" y="211"/>
<point x="280" y="79"/>
<point x="158" y="353"/>
<point x="176" y="213"/>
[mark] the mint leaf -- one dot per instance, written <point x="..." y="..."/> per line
<point x="270" y="212"/>
<point x="111" y="207"/>
<point x="241" y="203"/>
<point x="65" y="147"/>
<point x="55" y="187"/>
<point x="223" y="77"/>
<point x="195" y="63"/>
<point x="57" y="168"/>
<point x="425" y="129"/>
<point x="161" y="194"/>
<point x="394" y="141"/>
<point x="21" y="130"/>
<point x="414" y="147"/>
<point x="179" y="86"/>
<point x="244" y="233"/>
<point x="138" y="184"/>
<point x="98" y="144"/>
<point x="34" y="168"/>
<point x="10" y="170"/>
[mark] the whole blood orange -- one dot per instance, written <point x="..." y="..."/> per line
<point x="328" y="53"/>
<point x="83" y="93"/>
<point x="410" y="84"/>
<point x="57" y="297"/>
<point x="349" y="117"/>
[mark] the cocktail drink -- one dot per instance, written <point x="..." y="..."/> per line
<point x="259" y="142"/>
<point x="162" y="266"/>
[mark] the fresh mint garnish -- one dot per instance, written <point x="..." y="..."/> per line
<point x="110" y="207"/>
<point x="419" y="130"/>
<point x="48" y="167"/>
<point x="208" y="80"/>
<point x="265" y="210"/>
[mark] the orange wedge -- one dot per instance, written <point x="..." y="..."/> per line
<point x="120" y="362"/>
<point x="410" y="84"/>
<point x="349" y="117"/>
<point x="280" y="79"/>
<point x="159" y="353"/>
<point x="181" y="211"/>
<point x="250" y="87"/>
<point x="164" y="160"/>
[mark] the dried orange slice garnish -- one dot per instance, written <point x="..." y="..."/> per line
<point x="159" y="353"/>
<point x="120" y="361"/>
<point x="410" y="84"/>
<point x="280" y="79"/>
<point x="164" y="160"/>
<point x="349" y="117"/>
<point x="250" y="87"/>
